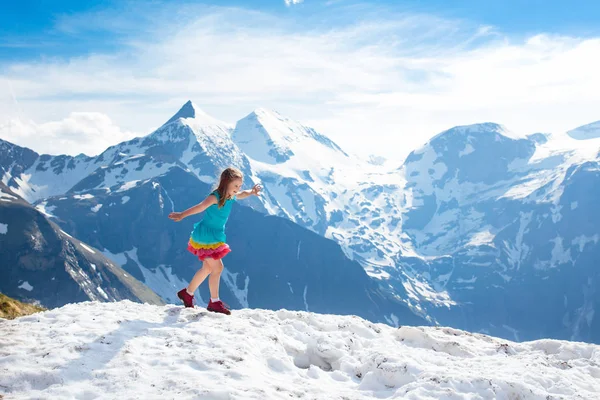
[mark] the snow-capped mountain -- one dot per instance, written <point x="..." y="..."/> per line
<point x="505" y="231"/>
<point x="190" y="139"/>
<point x="466" y="225"/>
<point x="284" y="265"/>
<point x="128" y="350"/>
<point x="310" y="180"/>
<point x="589" y="131"/>
<point x="120" y="207"/>
<point x="40" y="262"/>
<point x="33" y="176"/>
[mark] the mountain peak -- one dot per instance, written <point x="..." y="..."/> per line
<point x="589" y="131"/>
<point x="191" y="111"/>
<point x="265" y="135"/>
<point x="262" y="113"/>
<point x="473" y="129"/>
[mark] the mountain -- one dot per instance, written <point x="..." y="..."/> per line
<point x="43" y="264"/>
<point x="589" y="131"/>
<point x="467" y="224"/>
<point x="33" y="176"/>
<point x="188" y="149"/>
<point x="190" y="139"/>
<point x="127" y="350"/>
<point x="506" y="229"/>
<point x="284" y="265"/>
<point x="268" y="137"/>
<point x="310" y="180"/>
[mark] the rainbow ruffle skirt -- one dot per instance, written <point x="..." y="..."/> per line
<point x="207" y="242"/>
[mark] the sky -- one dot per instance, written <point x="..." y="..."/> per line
<point x="378" y="77"/>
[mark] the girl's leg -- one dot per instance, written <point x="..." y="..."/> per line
<point x="199" y="277"/>
<point x="216" y="267"/>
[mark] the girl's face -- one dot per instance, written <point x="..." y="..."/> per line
<point x="234" y="187"/>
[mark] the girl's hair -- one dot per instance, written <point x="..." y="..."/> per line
<point x="228" y="175"/>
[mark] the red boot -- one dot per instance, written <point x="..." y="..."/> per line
<point x="219" y="307"/>
<point x="188" y="300"/>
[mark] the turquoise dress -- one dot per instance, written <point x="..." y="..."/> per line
<point x="208" y="239"/>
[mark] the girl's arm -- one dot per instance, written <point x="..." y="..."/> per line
<point x="245" y="193"/>
<point x="198" y="208"/>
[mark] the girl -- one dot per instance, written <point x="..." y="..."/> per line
<point x="208" y="241"/>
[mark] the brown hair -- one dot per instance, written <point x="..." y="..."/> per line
<point x="228" y="175"/>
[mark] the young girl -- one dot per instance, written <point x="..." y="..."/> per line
<point x="208" y="241"/>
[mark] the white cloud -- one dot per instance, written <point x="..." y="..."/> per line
<point x="292" y="2"/>
<point x="382" y="84"/>
<point x="80" y="132"/>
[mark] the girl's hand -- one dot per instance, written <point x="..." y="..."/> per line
<point x="176" y="216"/>
<point x="256" y="190"/>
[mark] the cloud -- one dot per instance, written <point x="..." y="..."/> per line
<point x="292" y="2"/>
<point x="373" y="81"/>
<point x="80" y="132"/>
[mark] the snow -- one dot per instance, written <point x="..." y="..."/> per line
<point x="512" y="330"/>
<point x="581" y="241"/>
<point x="25" y="285"/>
<point x="45" y="209"/>
<point x="370" y="202"/>
<point x="41" y="181"/>
<point x="467" y="150"/>
<point x="559" y="254"/>
<point x="96" y="208"/>
<point x="393" y="320"/>
<point x="83" y="196"/>
<point x="517" y="252"/>
<point x="131" y="350"/>
<point x="87" y="248"/>
<point x="102" y="292"/>
<point x="3" y="229"/>
<point x="66" y="234"/>
<point x="426" y="292"/>
<point x="169" y="197"/>
<point x="473" y="279"/>
<point x="589" y="131"/>
<point x="308" y="202"/>
<point x="304" y="297"/>
<point x="127" y="186"/>
<point x="241" y="294"/>
<point x="481" y="238"/>
<point x="6" y="197"/>
<point x="161" y="280"/>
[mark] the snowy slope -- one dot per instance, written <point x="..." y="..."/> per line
<point x="310" y="180"/>
<point x="128" y="350"/>
<point x="504" y="226"/>
<point x="589" y="131"/>
<point x="41" y="263"/>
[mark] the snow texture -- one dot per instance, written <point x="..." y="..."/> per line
<point x="132" y="350"/>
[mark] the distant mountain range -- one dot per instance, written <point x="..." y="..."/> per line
<point x="477" y="229"/>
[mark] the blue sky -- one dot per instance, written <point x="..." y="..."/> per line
<point x="28" y="28"/>
<point x="401" y="70"/>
